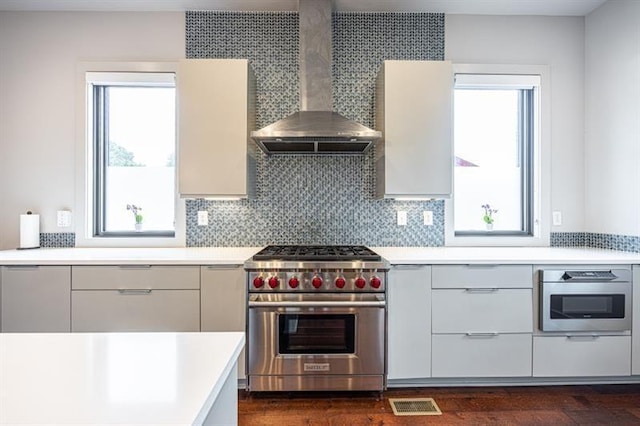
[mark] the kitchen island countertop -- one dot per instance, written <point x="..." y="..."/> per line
<point x="117" y="378"/>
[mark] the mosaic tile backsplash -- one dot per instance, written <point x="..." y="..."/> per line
<point x="326" y="199"/>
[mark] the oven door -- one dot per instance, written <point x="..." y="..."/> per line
<point x="316" y="334"/>
<point x="585" y="306"/>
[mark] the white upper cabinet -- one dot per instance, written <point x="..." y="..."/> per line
<point x="414" y="158"/>
<point x="216" y="112"/>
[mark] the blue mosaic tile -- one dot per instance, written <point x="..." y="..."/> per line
<point x="57" y="239"/>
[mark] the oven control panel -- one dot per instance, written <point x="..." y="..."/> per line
<point x="317" y="281"/>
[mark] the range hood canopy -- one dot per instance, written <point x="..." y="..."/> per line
<point x="315" y="128"/>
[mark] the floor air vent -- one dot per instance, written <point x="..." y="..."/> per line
<point x="414" y="407"/>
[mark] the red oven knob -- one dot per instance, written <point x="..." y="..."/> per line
<point x="316" y="282"/>
<point x="258" y="282"/>
<point x="294" y="282"/>
<point x="375" y="282"/>
<point x="274" y="282"/>
<point x="340" y="282"/>
<point x="360" y="282"/>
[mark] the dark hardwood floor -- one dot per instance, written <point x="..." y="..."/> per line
<point x="535" y="405"/>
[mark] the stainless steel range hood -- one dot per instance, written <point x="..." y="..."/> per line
<point x="316" y="128"/>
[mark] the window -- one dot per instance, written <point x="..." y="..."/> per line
<point x="132" y="131"/>
<point x="497" y="146"/>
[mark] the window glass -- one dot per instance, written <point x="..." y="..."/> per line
<point x="134" y="158"/>
<point x="493" y="145"/>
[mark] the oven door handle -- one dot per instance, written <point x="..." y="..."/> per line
<point x="318" y="304"/>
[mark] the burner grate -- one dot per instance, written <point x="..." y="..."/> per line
<point x="318" y="253"/>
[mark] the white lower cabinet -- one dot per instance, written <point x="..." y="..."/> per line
<point x="223" y="302"/>
<point x="482" y="319"/>
<point x="135" y="298"/>
<point x="481" y="355"/>
<point x="36" y="298"/>
<point x="409" y="322"/>
<point x="581" y="355"/>
<point x="635" y="345"/>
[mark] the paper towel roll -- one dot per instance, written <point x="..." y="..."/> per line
<point x="29" y="231"/>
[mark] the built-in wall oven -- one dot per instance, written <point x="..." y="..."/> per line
<point x="585" y="300"/>
<point x="318" y="323"/>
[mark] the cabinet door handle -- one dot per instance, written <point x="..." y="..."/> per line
<point x="134" y="290"/>
<point x="16" y="267"/>
<point x="481" y="289"/>
<point x="224" y="266"/>
<point x="407" y="266"/>
<point x="483" y="335"/>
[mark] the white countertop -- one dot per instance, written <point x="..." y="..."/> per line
<point x="113" y="378"/>
<point x="238" y="255"/>
<point x="129" y="256"/>
<point x="504" y="255"/>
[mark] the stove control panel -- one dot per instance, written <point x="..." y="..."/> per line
<point x="317" y="281"/>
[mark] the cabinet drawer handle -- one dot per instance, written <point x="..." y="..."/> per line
<point x="481" y="289"/>
<point x="481" y="265"/>
<point x="582" y="337"/>
<point x="134" y="290"/>
<point x="134" y="266"/>
<point x="485" y="335"/>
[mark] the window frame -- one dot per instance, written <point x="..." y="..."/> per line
<point x="539" y="164"/>
<point x="86" y="216"/>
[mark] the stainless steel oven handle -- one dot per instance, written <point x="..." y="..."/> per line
<point x="317" y="304"/>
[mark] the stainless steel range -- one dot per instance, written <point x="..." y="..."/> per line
<point x="316" y="319"/>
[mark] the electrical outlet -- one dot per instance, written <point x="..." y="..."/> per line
<point x="64" y="218"/>
<point x="557" y="218"/>
<point x="427" y="217"/>
<point x="402" y="218"/>
<point x="203" y="218"/>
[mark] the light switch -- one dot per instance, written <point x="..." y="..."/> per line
<point x="402" y="218"/>
<point x="557" y="218"/>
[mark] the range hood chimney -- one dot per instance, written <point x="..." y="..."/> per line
<point x="315" y="128"/>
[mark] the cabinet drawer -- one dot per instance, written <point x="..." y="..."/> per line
<point x="572" y="356"/>
<point x="135" y="277"/>
<point x="501" y="355"/>
<point x="476" y="310"/>
<point x="486" y="276"/>
<point x="152" y="310"/>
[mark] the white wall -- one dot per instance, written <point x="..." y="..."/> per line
<point x="557" y="42"/>
<point x="39" y="53"/>
<point x="613" y="118"/>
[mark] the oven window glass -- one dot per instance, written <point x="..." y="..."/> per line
<point x="316" y="334"/>
<point x="576" y="306"/>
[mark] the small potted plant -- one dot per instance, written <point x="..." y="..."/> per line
<point x="136" y="214"/>
<point x="488" y="216"/>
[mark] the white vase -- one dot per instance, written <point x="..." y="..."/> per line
<point x="489" y="226"/>
<point x="138" y="227"/>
